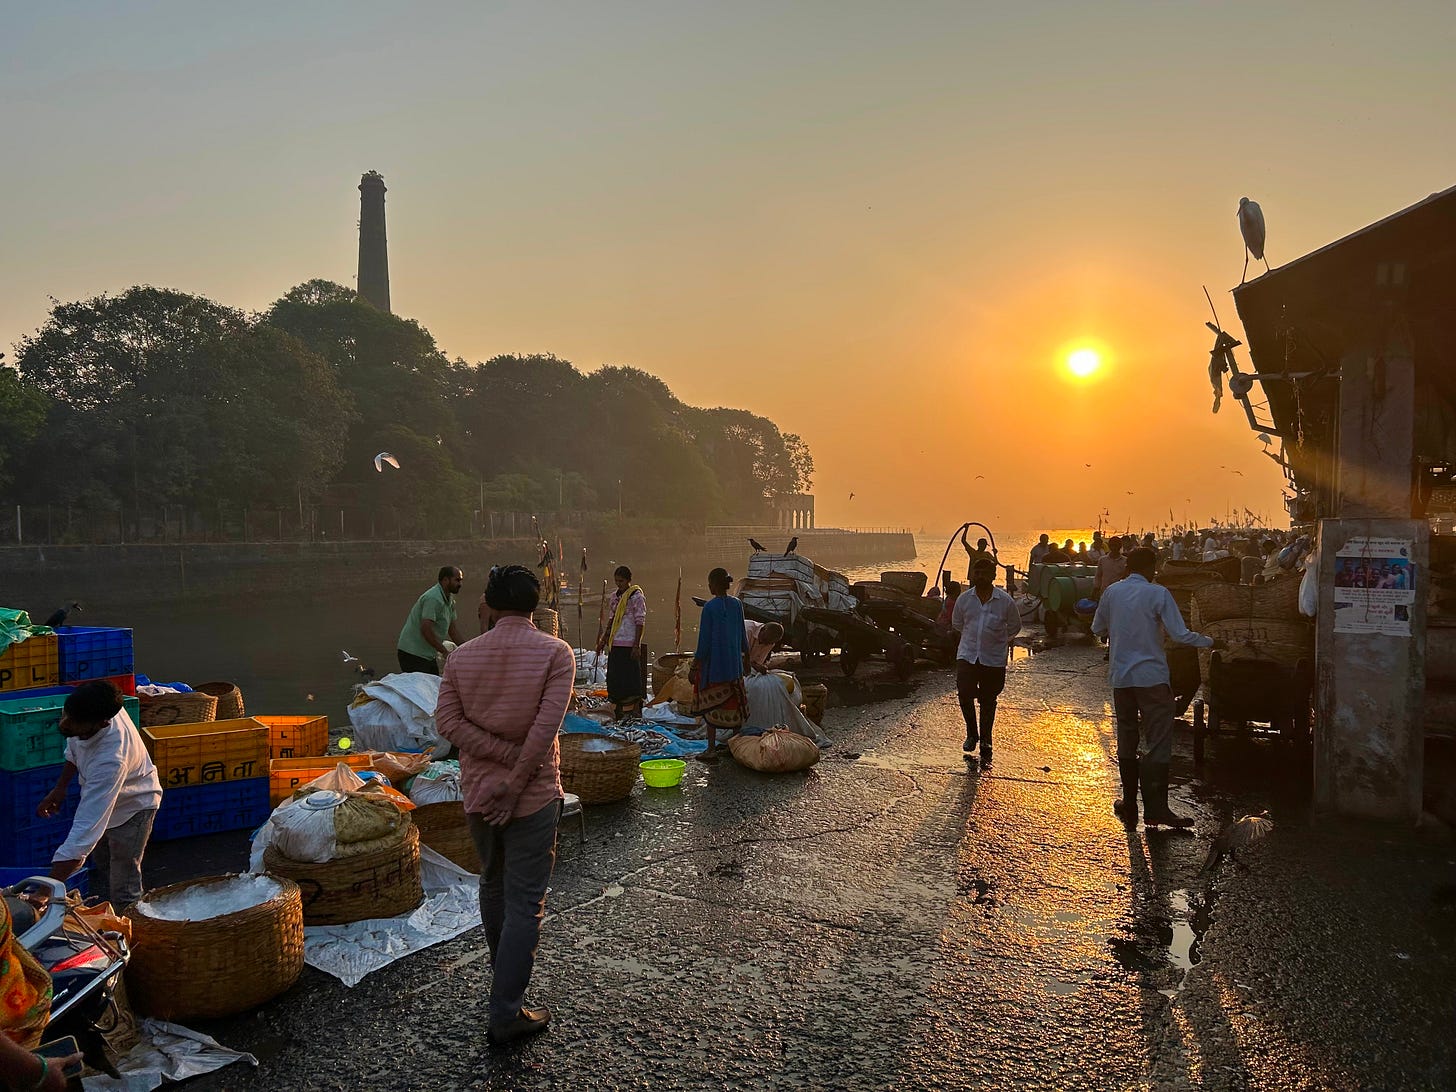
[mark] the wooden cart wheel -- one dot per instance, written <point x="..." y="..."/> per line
<point x="902" y="658"/>
<point x="1198" y="731"/>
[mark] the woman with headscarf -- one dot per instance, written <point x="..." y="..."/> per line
<point x="720" y="663"/>
<point x="25" y="1005"/>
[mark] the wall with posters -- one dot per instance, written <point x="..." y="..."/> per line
<point x="1370" y="652"/>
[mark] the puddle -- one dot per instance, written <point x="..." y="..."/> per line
<point x="1183" y="950"/>
<point x="1163" y="948"/>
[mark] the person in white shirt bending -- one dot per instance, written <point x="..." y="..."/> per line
<point x="1133" y="615"/>
<point x="986" y="619"/>
<point x="120" y="791"/>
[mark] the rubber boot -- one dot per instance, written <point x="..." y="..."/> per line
<point x="1156" y="812"/>
<point x="1126" y="809"/>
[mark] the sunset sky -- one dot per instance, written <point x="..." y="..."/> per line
<point x="885" y="226"/>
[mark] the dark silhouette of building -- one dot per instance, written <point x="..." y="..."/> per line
<point x="373" y="247"/>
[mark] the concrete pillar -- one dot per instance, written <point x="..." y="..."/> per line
<point x="1369" y="734"/>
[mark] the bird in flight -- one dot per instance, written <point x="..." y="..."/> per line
<point x="979" y="477"/>
<point x="757" y="546"/>
<point x="1240" y="473"/>
<point x="1238" y="835"/>
<point x="358" y="665"/>
<point x="793" y="545"/>
<point x="1087" y="465"/>
<point x="382" y="458"/>
<point x="851" y="496"/>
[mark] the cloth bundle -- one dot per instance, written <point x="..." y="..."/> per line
<point x="776" y="751"/>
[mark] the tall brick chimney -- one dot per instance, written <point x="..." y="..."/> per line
<point x="373" y="248"/>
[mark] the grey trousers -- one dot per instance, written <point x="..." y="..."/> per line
<point x="116" y="862"/>
<point x="1154" y="706"/>
<point x="516" y="861"/>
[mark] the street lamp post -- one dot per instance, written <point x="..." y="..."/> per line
<point x="619" y="498"/>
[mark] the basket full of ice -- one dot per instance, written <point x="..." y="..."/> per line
<point x="215" y="946"/>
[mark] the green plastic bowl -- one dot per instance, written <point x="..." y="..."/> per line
<point x="663" y="773"/>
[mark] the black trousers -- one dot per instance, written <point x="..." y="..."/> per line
<point x="979" y="683"/>
<point x="410" y="662"/>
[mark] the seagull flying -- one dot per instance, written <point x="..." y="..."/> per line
<point x="851" y="496"/>
<point x="1251" y="227"/>
<point x="1265" y="439"/>
<point x="382" y="458"/>
<point x="358" y="665"/>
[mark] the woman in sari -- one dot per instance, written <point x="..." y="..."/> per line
<point x="25" y="1005"/>
<point x="720" y="663"/>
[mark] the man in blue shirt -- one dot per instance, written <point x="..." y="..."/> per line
<point x="1133" y="615"/>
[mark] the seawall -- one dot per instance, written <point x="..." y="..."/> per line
<point x="44" y="576"/>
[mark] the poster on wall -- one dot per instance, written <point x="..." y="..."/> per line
<point x="1375" y="586"/>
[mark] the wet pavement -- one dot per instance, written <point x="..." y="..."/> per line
<point x="895" y="917"/>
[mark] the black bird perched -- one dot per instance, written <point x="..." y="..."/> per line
<point x="757" y="546"/>
<point x="59" y="617"/>
<point x="793" y="545"/>
<point x="1238" y="835"/>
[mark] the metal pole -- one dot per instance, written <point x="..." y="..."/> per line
<point x="19" y="538"/>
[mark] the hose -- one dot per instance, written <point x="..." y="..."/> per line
<point x="954" y="535"/>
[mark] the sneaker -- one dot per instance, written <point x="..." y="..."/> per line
<point x="528" y="1022"/>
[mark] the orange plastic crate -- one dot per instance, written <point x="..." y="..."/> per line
<point x="34" y="662"/>
<point x="286" y="774"/>
<point x="297" y="737"/>
<point x="207" y="752"/>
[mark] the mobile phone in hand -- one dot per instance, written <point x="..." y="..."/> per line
<point x="57" y="1049"/>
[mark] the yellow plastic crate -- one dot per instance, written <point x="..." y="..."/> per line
<point x="286" y="774"/>
<point x="33" y="662"/>
<point x="296" y="737"/>
<point x="208" y="752"/>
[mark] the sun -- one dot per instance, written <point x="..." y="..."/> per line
<point x="1084" y="363"/>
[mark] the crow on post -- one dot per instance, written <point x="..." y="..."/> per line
<point x="793" y="545"/>
<point x="757" y="546"/>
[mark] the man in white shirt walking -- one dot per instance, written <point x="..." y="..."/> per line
<point x="1133" y="614"/>
<point x="120" y="791"/>
<point x="986" y="618"/>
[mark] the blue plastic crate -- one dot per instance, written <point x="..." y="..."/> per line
<point x="211" y="809"/>
<point x="11" y="875"/>
<point x="93" y="652"/>
<point x="35" y="844"/>
<point x="21" y="792"/>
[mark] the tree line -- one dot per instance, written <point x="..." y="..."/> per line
<point x="160" y="397"/>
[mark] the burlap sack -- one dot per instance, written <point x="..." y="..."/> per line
<point x="776" y="751"/>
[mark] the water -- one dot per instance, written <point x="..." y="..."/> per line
<point x="285" y="651"/>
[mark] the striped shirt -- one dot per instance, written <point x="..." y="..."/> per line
<point x="502" y="701"/>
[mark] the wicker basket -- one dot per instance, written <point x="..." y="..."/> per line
<point x="229" y="698"/>
<point x="1227" y="568"/>
<point x="598" y="777"/>
<point x="547" y="621"/>
<point x="382" y="884"/>
<point x="188" y="970"/>
<point x="1282" y="642"/>
<point x="1277" y="600"/>
<point x="164" y="709"/>
<point x="443" y="828"/>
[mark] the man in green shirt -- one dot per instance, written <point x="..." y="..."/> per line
<point x="430" y="627"/>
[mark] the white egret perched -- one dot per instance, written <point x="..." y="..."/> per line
<point x="385" y="457"/>
<point x="1251" y="227"/>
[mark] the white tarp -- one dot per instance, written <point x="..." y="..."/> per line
<point x="166" y="1052"/>
<point x="402" y="715"/>
<point x="769" y="705"/>
<point x="451" y="907"/>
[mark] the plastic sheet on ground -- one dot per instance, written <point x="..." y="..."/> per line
<point x="675" y="747"/>
<point x="663" y="715"/>
<point x="166" y="1052"/>
<point x="351" y="952"/>
<point x="402" y="715"/>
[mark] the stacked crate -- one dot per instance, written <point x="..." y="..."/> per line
<point x="214" y="776"/>
<point x="32" y="753"/>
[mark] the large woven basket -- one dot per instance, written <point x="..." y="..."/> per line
<point x="443" y="828"/>
<point x="1228" y="568"/>
<point x="229" y="699"/>
<point x="598" y="776"/>
<point x="162" y="709"/>
<point x="1277" y="600"/>
<point x="547" y="621"/>
<point x="190" y="970"/>
<point x="382" y="884"/>
<point x="1286" y="642"/>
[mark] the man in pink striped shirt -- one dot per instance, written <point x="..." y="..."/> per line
<point x="502" y="701"/>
